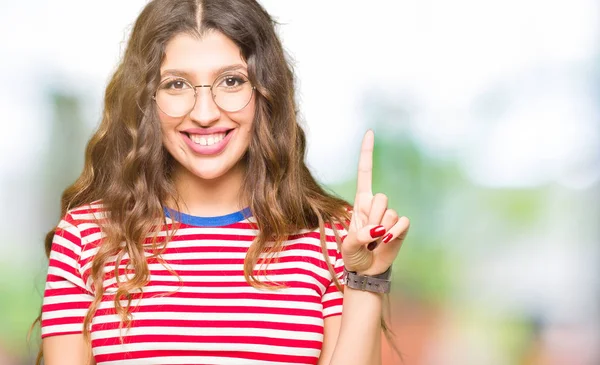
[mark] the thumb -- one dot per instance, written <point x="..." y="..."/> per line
<point x="357" y="247"/>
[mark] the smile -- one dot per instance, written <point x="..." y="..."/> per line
<point x="208" y="144"/>
<point x="207" y="140"/>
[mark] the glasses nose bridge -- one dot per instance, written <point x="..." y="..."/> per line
<point x="197" y="86"/>
<point x="196" y="94"/>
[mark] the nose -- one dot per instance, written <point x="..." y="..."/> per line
<point x="205" y="111"/>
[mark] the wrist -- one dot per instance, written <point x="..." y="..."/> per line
<point x="373" y="272"/>
<point x="379" y="283"/>
<point x="362" y="293"/>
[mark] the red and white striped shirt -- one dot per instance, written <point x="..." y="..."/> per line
<point x="213" y="316"/>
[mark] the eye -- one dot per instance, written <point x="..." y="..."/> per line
<point x="231" y="81"/>
<point x="175" y="84"/>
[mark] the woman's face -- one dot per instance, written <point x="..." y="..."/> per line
<point x="208" y="141"/>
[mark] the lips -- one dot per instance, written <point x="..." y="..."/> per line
<point x="207" y="139"/>
<point x="207" y="142"/>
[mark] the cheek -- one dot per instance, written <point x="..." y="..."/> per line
<point x="168" y="125"/>
<point x="170" y="137"/>
<point x="246" y="126"/>
<point x="246" y="117"/>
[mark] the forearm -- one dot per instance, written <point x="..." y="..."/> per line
<point x="359" y="341"/>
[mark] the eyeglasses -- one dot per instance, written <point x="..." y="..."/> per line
<point x="176" y="96"/>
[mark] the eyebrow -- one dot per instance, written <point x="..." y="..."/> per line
<point x="188" y="75"/>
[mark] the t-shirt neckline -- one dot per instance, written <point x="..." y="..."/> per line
<point x="216" y="221"/>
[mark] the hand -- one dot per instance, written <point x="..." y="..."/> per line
<point x="376" y="233"/>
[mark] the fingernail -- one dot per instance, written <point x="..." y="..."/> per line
<point x="371" y="246"/>
<point x="387" y="238"/>
<point x="377" y="231"/>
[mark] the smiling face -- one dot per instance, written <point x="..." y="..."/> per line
<point x="208" y="141"/>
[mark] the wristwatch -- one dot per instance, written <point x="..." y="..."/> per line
<point x="375" y="283"/>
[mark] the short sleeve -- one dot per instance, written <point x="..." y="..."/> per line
<point x="66" y="298"/>
<point x="332" y="299"/>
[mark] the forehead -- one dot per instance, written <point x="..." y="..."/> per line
<point x="201" y="57"/>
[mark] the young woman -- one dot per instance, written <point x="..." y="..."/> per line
<point x="195" y="233"/>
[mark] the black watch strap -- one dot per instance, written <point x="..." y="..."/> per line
<point x="376" y="283"/>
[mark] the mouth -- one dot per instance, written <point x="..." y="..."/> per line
<point x="208" y="144"/>
<point x="207" y="139"/>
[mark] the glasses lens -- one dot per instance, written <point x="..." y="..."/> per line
<point x="232" y="91"/>
<point x="175" y="97"/>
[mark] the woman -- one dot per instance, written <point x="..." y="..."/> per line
<point x="195" y="233"/>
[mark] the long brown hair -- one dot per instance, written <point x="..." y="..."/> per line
<point x="128" y="169"/>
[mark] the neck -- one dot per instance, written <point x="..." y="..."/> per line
<point x="209" y="198"/>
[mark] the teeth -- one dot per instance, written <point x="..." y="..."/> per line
<point x="207" y="140"/>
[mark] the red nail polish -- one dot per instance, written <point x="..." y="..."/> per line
<point x="371" y="246"/>
<point x="377" y="231"/>
<point x="387" y="238"/>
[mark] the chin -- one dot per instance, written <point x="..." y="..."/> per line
<point x="208" y="174"/>
<point x="224" y="168"/>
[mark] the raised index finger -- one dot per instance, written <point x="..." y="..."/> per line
<point x="365" y="164"/>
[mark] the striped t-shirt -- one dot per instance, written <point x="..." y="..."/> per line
<point x="213" y="316"/>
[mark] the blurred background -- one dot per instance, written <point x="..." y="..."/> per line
<point x="486" y="116"/>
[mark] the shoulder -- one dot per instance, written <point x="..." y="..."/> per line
<point x="331" y="236"/>
<point x="337" y="227"/>
<point x="94" y="212"/>
<point x="82" y="223"/>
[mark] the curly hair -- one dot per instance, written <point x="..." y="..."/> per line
<point x="129" y="170"/>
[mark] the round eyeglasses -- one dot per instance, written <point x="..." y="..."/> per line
<point x="176" y="96"/>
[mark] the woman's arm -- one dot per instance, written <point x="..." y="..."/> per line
<point x="359" y="339"/>
<point x="65" y="350"/>
<point x="355" y="336"/>
<point x="331" y="331"/>
<point x="375" y="235"/>
<point x="66" y="299"/>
